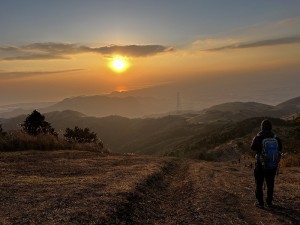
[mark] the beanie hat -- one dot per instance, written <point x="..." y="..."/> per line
<point x="266" y="125"/>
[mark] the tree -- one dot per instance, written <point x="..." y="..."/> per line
<point x="79" y="135"/>
<point x="35" y="124"/>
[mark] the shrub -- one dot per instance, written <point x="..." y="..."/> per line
<point x="79" y="135"/>
<point x="19" y="141"/>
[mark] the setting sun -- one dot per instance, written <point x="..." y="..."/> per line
<point x="119" y="64"/>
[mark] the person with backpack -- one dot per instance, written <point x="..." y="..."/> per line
<point x="268" y="148"/>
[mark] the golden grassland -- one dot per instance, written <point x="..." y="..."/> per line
<point x="84" y="187"/>
<point x="63" y="186"/>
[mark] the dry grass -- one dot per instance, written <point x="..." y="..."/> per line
<point x="290" y="160"/>
<point x="231" y="197"/>
<point x="67" y="187"/>
<point x="77" y="187"/>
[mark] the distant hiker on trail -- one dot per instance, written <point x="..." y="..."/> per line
<point x="268" y="148"/>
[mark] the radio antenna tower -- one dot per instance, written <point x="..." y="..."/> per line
<point x="178" y="102"/>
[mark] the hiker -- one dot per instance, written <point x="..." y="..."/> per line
<point x="268" y="149"/>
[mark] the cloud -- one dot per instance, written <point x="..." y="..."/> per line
<point x="255" y="44"/>
<point x="34" y="57"/>
<point x="209" y="43"/>
<point x="51" y="50"/>
<point x="9" y="49"/>
<point x="4" y="75"/>
<point x="133" y="50"/>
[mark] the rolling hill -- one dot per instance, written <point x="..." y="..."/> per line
<point x="98" y="106"/>
<point x="13" y="110"/>
<point x="188" y="134"/>
<point x="132" y="105"/>
<point x="288" y="107"/>
<point x="232" y="111"/>
<point x="119" y="133"/>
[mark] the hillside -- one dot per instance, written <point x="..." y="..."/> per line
<point x="97" y="106"/>
<point x="134" y="104"/>
<point x="121" y="134"/>
<point x="289" y="107"/>
<point x="77" y="187"/>
<point x="13" y="110"/>
<point x="232" y="111"/>
<point x="10" y="113"/>
<point x="171" y="135"/>
<point x="233" y="139"/>
<point x="101" y="106"/>
<point x="185" y="135"/>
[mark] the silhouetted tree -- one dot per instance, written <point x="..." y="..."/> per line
<point x="35" y="124"/>
<point x="80" y="135"/>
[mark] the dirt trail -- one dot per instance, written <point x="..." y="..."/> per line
<point x="75" y="187"/>
<point x="191" y="192"/>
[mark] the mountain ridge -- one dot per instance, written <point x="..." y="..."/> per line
<point x="160" y="135"/>
<point x="139" y="107"/>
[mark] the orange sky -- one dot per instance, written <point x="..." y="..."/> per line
<point x="93" y="75"/>
<point x="47" y="58"/>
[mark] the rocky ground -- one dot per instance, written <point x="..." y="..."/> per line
<point x="76" y="187"/>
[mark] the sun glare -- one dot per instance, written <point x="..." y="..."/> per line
<point x="119" y="64"/>
<point x="121" y="89"/>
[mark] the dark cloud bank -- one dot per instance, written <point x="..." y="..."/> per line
<point x="50" y="50"/>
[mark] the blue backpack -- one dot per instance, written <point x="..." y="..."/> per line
<point x="270" y="153"/>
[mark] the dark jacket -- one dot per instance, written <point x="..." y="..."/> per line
<point x="256" y="144"/>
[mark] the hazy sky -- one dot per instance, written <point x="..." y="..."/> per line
<point x="60" y="48"/>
